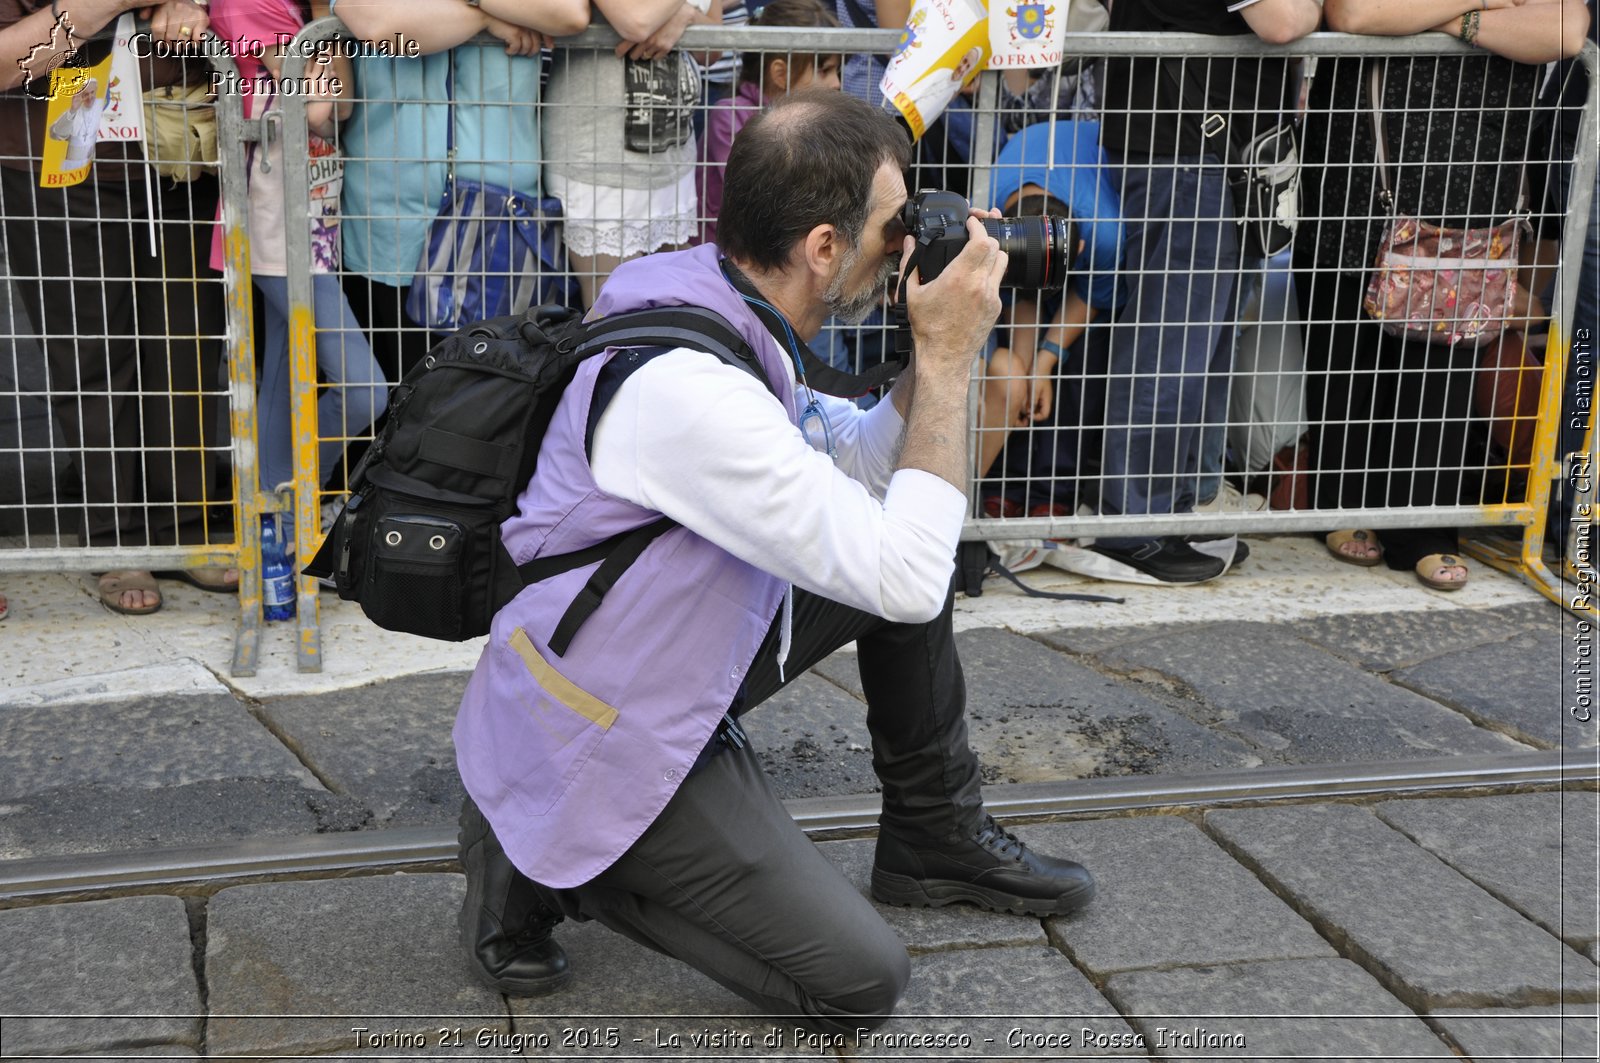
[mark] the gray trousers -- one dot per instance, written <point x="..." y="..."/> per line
<point x="727" y="882"/>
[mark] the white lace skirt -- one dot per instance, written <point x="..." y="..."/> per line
<point x="603" y="220"/>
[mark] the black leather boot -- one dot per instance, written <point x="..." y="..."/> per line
<point x="506" y="919"/>
<point x="991" y="868"/>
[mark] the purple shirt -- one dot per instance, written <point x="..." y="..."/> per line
<point x="723" y="123"/>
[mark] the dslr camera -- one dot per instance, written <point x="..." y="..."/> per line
<point x="1040" y="247"/>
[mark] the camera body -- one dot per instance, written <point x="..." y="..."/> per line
<point x="1040" y="248"/>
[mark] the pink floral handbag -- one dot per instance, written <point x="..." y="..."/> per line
<point x="1438" y="284"/>
<point x="1444" y="285"/>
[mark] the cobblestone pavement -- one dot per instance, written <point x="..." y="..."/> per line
<point x="1381" y="927"/>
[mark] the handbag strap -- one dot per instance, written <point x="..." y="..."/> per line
<point x="1376" y="73"/>
<point x="450" y="120"/>
<point x="1215" y="122"/>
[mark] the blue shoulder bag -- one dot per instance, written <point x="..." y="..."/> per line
<point x="491" y="251"/>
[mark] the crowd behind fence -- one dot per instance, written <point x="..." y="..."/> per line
<point x="1289" y="421"/>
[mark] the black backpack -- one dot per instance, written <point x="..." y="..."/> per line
<point x="418" y="542"/>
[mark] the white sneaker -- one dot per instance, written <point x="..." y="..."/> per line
<point x="1231" y="500"/>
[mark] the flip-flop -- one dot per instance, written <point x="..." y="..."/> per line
<point x="210" y="578"/>
<point x="112" y="585"/>
<point x="1334" y="540"/>
<point x="1435" y="561"/>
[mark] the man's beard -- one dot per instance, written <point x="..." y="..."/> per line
<point x="853" y="310"/>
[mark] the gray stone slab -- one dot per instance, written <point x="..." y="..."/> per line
<point x="813" y="741"/>
<point x="1030" y="1003"/>
<point x="128" y="963"/>
<point x="97" y="819"/>
<point x="1513" y="685"/>
<point x="1168" y="896"/>
<point x="147" y="742"/>
<point x="1297" y="702"/>
<point x="361" y="951"/>
<point x="1510" y="1035"/>
<point x="627" y="1000"/>
<point x="1380" y="642"/>
<point x="387" y="744"/>
<point x="926" y="929"/>
<point x="1536" y="852"/>
<point x="1087" y="641"/>
<point x="1432" y="936"/>
<point x="1329" y="1010"/>
<point x="1034" y="714"/>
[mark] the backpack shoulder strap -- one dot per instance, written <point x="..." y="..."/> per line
<point x="671" y="327"/>
<point x="661" y="330"/>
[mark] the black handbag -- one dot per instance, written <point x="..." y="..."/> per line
<point x="1263" y="176"/>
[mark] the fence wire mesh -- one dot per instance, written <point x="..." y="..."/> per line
<point x="1177" y="384"/>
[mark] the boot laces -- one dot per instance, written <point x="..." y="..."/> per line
<point x="998" y="840"/>
<point x="539" y="927"/>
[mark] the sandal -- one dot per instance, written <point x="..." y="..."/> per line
<point x="1432" y="563"/>
<point x="1337" y="540"/>
<point x="212" y="578"/>
<point x="113" y="585"/>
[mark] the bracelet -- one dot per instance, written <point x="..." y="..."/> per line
<point x="1052" y="347"/>
<point x="1469" y="27"/>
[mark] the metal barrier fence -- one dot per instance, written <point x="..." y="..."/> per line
<point x="1109" y="459"/>
<point x="128" y="368"/>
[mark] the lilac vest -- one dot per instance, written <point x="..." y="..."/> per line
<point x="571" y="758"/>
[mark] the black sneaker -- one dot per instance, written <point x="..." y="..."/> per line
<point x="506" y="918"/>
<point x="992" y="869"/>
<point x="1169" y="559"/>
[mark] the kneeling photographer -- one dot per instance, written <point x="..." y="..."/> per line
<point x="613" y="781"/>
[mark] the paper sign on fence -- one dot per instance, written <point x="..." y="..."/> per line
<point x="1023" y="36"/>
<point x="944" y="47"/>
<point x="123" y="117"/>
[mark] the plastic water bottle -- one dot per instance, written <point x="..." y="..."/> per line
<point x="277" y="574"/>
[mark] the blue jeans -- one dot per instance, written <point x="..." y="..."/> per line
<point x="356" y="392"/>
<point x="1168" y="365"/>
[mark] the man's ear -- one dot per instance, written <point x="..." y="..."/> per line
<point x="820" y="250"/>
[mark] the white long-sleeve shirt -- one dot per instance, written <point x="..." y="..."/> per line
<point x="707" y="445"/>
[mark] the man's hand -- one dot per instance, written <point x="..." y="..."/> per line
<point x="950" y="322"/>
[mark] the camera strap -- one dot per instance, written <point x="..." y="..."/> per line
<point x="817" y="374"/>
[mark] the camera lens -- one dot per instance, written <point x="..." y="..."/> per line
<point x="1040" y="249"/>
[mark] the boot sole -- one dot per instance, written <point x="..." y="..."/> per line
<point x="906" y="892"/>
<point x="511" y="987"/>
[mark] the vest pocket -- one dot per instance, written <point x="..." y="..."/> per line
<point x="561" y="724"/>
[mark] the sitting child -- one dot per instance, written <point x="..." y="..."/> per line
<point x="1052" y="168"/>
